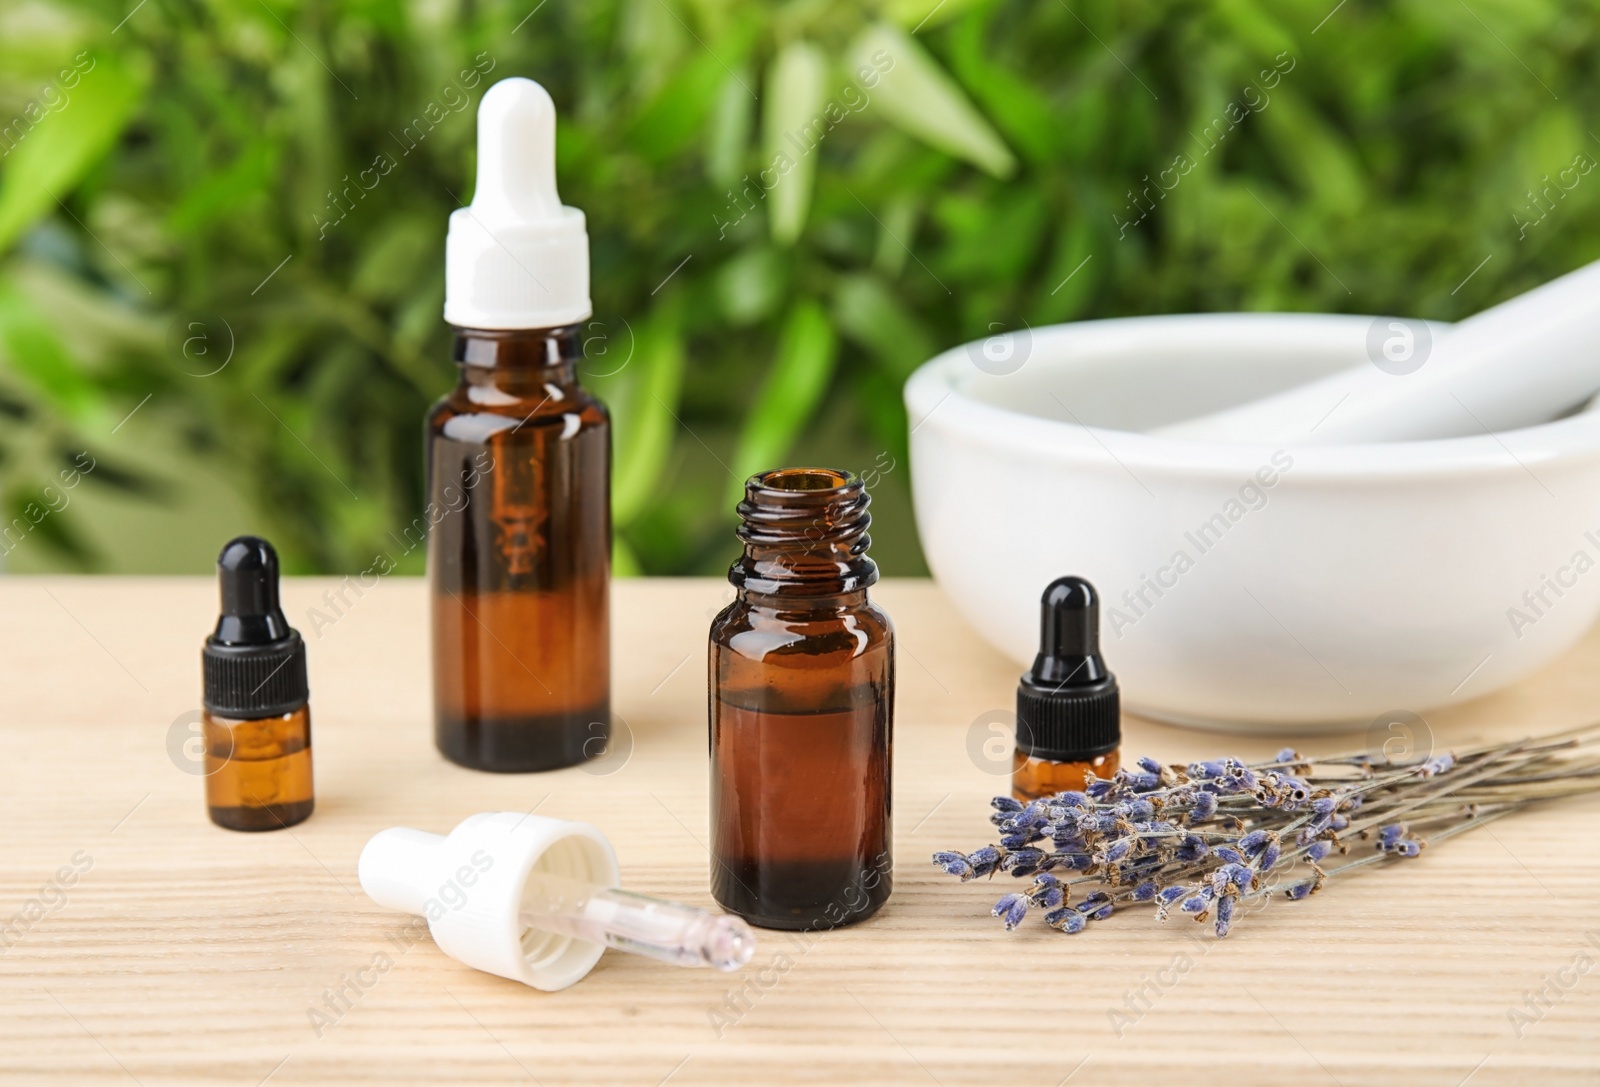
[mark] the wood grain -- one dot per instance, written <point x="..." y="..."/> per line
<point x="189" y="954"/>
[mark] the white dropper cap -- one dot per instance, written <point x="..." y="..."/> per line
<point x="534" y="899"/>
<point x="516" y="257"/>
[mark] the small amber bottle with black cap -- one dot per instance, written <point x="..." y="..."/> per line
<point x="1069" y="713"/>
<point x="257" y="719"/>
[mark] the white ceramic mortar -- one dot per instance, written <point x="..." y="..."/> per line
<point x="1366" y="579"/>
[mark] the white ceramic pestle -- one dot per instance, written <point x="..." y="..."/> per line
<point x="1516" y="364"/>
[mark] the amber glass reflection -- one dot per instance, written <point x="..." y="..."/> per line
<point x="1033" y="778"/>
<point x="258" y="772"/>
<point x="519" y="555"/>
<point x="802" y="709"/>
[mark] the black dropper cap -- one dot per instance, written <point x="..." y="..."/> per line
<point x="1068" y="707"/>
<point x="254" y="662"/>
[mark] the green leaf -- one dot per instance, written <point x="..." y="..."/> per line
<point x="750" y="287"/>
<point x="677" y="113"/>
<point x="789" y="395"/>
<point x="55" y="150"/>
<point x="36" y="352"/>
<point x="624" y="563"/>
<point x="926" y="14"/>
<point x="916" y="94"/>
<point x="644" y="416"/>
<point x="791" y="125"/>
<point x="728" y="137"/>
<point x="870" y="315"/>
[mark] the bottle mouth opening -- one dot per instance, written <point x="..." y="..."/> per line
<point x="802" y="479"/>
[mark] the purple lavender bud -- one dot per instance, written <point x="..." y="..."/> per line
<point x="1206" y="771"/>
<point x="1300" y="890"/>
<point x="1439" y="764"/>
<point x="1021" y="862"/>
<point x="1145" y="891"/>
<point x="1149" y="765"/>
<point x="1099" y="790"/>
<point x="1097" y="907"/>
<point x="1389" y="835"/>
<point x="1228" y="854"/>
<point x="1287" y="755"/>
<point x="1236" y="874"/>
<point x="1011" y="909"/>
<point x="1068" y="920"/>
<point x="1168" y="895"/>
<point x="1339" y="822"/>
<point x="1139" y="811"/>
<point x="1046" y="881"/>
<point x="1117" y="850"/>
<point x="1318" y="850"/>
<point x="1254" y="842"/>
<point x="1197" y="903"/>
<point x="1269" y="856"/>
<point x="1352" y="802"/>
<point x="1028" y="817"/>
<point x="1205" y="806"/>
<point x="1224" y="914"/>
<point x="1050" y="897"/>
<point x="1005" y="803"/>
<point x="1323" y="805"/>
<point x="983" y="861"/>
<point x="1144" y="783"/>
<point x="1409" y="847"/>
<point x="1071" y="800"/>
<point x="1192" y="849"/>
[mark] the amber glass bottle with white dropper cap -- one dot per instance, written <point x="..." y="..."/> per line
<point x="519" y="468"/>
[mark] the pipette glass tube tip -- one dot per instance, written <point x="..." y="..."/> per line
<point x="668" y="931"/>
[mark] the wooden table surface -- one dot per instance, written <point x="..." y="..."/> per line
<point x="182" y="953"/>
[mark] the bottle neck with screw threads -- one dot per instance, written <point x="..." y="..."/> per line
<point x="804" y="532"/>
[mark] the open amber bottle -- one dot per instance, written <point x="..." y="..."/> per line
<point x="519" y="558"/>
<point x="802" y="710"/>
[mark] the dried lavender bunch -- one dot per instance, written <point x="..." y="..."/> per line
<point x="1211" y="839"/>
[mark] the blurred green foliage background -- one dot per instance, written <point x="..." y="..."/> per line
<point x="200" y="288"/>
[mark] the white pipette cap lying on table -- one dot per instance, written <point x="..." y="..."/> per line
<point x="535" y="900"/>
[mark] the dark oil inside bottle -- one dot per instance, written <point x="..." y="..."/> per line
<point x="519" y="557"/>
<point x="792" y="852"/>
<point x="802" y="676"/>
<point x="258" y="773"/>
